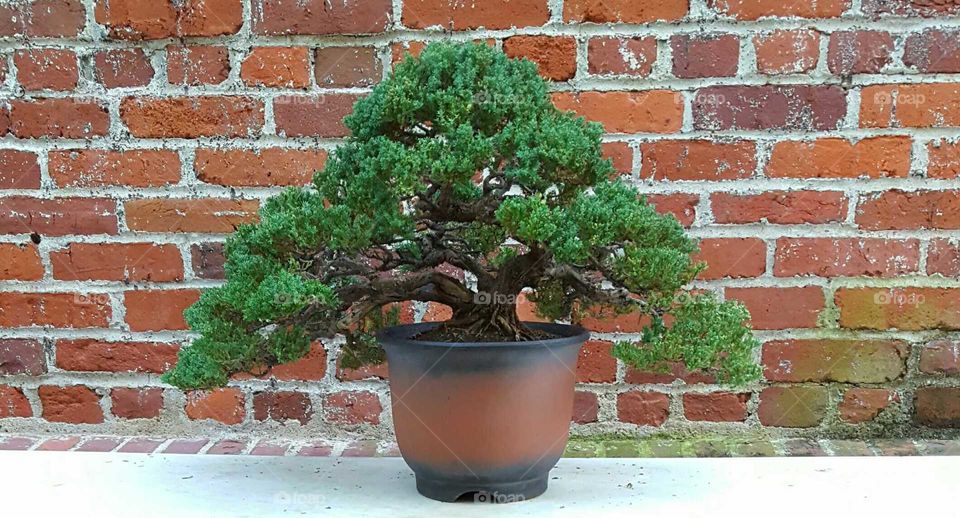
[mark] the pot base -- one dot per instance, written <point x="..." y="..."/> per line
<point x="493" y="493"/>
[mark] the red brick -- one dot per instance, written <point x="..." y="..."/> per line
<point x="781" y="308"/>
<point x="943" y="257"/>
<point x="793" y="406"/>
<point x="282" y="406"/>
<point x="58" y="118"/>
<point x="270" y="448"/>
<point x="196" y="215"/>
<point x="922" y="8"/>
<point x="843" y="361"/>
<point x="97" y="355"/>
<point x="621" y="154"/>
<point x="909" y="210"/>
<point x="681" y="206"/>
<point x="621" y="56"/>
<point x="352" y="408"/>
<point x="643" y="408"/>
<point x="159" y="19"/>
<point x="59" y="444"/>
<point x="97" y="168"/>
<point x="875" y="157"/>
<point x="850" y="257"/>
<point x="675" y="371"/>
<point x="316" y="449"/>
<point x="16" y="443"/>
<point x="933" y="51"/>
<point x="20" y="262"/>
<point x="906" y="309"/>
<point x="944" y="159"/>
<point x="186" y="446"/>
<point x="623" y="11"/>
<point x="859" y="52"/>
<point x="54" y="310"/>
<point x="320" y="17"/>
<point x="863" y="404"/>
<point x="158" y="310"/>
<point x="100" y="444"/>
<point x="207" y="260"/>
<point x="938" y="407"/>
<point x="13" y="403"/>
<point x="928" y="105"/>
<point x="197" y="65"/>
<point x="54" y="18"/>
<point x="650" y="111"/>
<point x="134" y="403"/>
<point x="260" y="167"/>
<point x="459" y="16"/>
<point x="437" y="312"/>
<point x="403" y="49"/>
<point x="225" y="405"/>
<point x="377" y="371"/>
<point x="313" y="116"/>
<point x="716" y="406"/>
<point x="780" y="207"/>
<point x="756" y="9"/>
<point x="21" y="356"/>
<point x="698" y="160"/>
<point x="555" y="57"/>
<point x="76" y="404"/>
<point x="19" y="170"/>
<point x="732" y="258"/>
<point x="596" y="363"/>
<point x="46" y="69"/>
<point x="57" y="217"/>
<point x="192" y="117"/>
<point x="280" y="67"/>
<point x="122" y="68"/>
<point x="607" y="320"/>
<point x="140" y="445"/>
<point x="787" y="51"/>
<point x="347" y="66"/>
<point x="129" y="262"/>
<point x="227" y="447"/>
<point x="940" y="357"/>
<point x="705" y="56"/>
<point x="585" y="407"/>
<point x="765" y="107"/>
<point x="311" y="367"/>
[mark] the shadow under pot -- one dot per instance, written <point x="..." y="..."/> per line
<point x="486" y="419"/>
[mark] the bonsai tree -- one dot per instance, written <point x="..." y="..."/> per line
<point x="459" y="159"/>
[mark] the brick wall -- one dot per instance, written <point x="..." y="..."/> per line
<point x="813" y="146"/>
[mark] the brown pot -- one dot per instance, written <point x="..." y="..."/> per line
<point x="490" y="419"/>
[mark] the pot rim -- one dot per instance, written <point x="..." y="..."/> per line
<point x="400" y="335"/>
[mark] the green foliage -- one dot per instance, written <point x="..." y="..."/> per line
<point x="459" y="157"/>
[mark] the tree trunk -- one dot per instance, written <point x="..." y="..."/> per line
<point x="495" y="318"/>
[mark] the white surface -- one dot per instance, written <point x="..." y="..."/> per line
<point x="176" y="486"/>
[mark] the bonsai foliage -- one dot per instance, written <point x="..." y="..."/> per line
<point x="458" y="159"/>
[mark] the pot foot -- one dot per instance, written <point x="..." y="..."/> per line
<point x="494" y="493"/>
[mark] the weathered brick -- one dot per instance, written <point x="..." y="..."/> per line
<point x="97" y="168"/>
<point x="63" y="310"/>
<point x="117" y="262"/>
<point x="765" y="107"/>
<point x="279" y="67"/>
<point x="940" y="357"/>
<point x="159" y="19"/>
<point x="623" y="11"/>
<point x="351" y="408"/>
<point x="193" y="215"/>
<point x="20" y="262"/>
<point x="19" y="170"/>
<point x="787" y="51"/>
<point x="196" y="65"/>
<point x="376" y="371"/>
<point x="52" y="19"/>
<point x="555" y="57"/>
<point x="927" y="105"/>
<point x="621" y="56"/>
<point x="319" y="17"/>
<point x="650" y="111"/>
<point x="58" y="118"/>
<point x="780" y="207"/>
<point x="849" y="257"/>
<point x="347" y="66"/>
<point x="933" y="51"/>
<point x="781" y="308"/>
<point x="698" y="160"/>
<point x="21" y="356"/>
<point x="943" y="159"/>
<point x="621" y="154"/>
<point x="57" y="217"/>
<point x="859" y="52"/>
<point x="596" y="363"/>
<point x="260" y="167"/>
<point x="158" y="310"/>
<point x="459" y="16"/>
<point x="13" y="403"/>
<point x="311" y="367"/>
<point x="192" y="117"/>
<point x="643" y="408"/>
<point x="716" y="406"/>
<point x="122" y="68"/>
<point x="909" y="210"/>
<point x="734" y="258"/>
<point x="97" y="355"/>
<point x="282" y="406"/>
<point x="207" y="260"/>
<point x="943" y="257"/>
<point x="860" y="405"/>
<point x="923" y="8"/>
<point x="907" y="309"/>
<point x="793" y="406"/>
<point x="602" y="319"/>
<point x="874" y="157"/>
<point x="705" y="56"/>
<point x="314" y="115"/>
<point x="938" y="407"/>
<point x="675" y="371"/>
<point x="225" y="405"/>
<point x="843" y="361"/>
<point x="75" y="404"/>
<point x="756" y="9"/>
<point x="585" y="407"/>
<point x="46" y="69"/>
<point x="681" y="206"/>
<point x="136" y="403"/>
